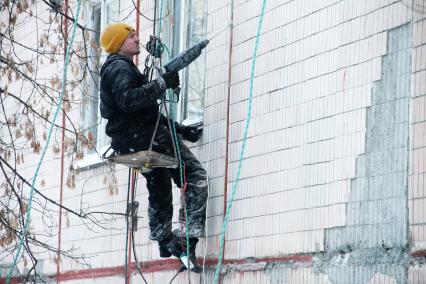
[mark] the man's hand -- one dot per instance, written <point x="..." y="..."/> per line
<point x="192" y="133"/>
<point x="171" y="79"/>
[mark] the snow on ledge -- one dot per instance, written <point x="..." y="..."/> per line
<point x="92" y="160"/>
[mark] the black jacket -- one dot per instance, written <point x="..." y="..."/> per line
<point x="128" y="101"/>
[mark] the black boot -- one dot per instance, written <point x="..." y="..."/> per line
<point x="192" y="258"/>
<point x="164" y="252"/>
<point x="170" y="246"/>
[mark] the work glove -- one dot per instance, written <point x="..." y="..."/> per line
<point x="171" y="79"/>
<point x="192" y="133"/>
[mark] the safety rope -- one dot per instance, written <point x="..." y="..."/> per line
<point x="155" y="49"/>
<point x="28" y="213"/>
<point x="182" y="181"/>
<point x="176" y="144"/>
<point x="240" y="161"/>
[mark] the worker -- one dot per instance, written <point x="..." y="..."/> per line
<point x="130" y="104"/>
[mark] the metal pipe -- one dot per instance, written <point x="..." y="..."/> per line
<point x="138" y="7"/>
<point x="225" y="192"/>
<point x="130" y="239"/>
<point x="61" y="185"/>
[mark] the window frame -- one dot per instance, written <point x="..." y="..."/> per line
<point x="182" y="42"/>
<point x="92" y="157"/>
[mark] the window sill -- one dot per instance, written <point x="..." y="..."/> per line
<point x="193" y="121"/>
<point x="91" y="161"/>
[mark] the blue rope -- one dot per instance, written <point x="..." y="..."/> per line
<point x="28" y="213"/>
<point x="240" y="161"/>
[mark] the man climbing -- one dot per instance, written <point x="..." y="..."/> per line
<point x="130" y="103"/>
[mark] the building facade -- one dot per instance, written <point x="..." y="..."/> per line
<point x="331" y="187"/>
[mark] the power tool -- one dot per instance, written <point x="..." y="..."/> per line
<point x="184" y="58"/>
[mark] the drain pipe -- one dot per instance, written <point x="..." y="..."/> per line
<point x="225" y="193"/>
<point x="133" y="178"/>
<point x="138" y="7"/>
<point x="130" y="228"/>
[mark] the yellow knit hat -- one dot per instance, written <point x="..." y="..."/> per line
<point x="113" y="36"/>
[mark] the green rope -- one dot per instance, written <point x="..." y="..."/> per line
<point x="240" y="161"/>
<point x="180" y="173"/>
<point x="28" y="213"/>
<point x="174" y="132"/>
<point x="170" y="94"/>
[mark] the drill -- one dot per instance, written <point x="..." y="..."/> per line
<point x="184" y="58"/>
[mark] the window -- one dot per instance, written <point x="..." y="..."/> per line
<point x="189" y="28"/>
<point x="110" y="13"/>
<point x="103" y="13"/>
<point x="90" y="100"/>
<point x="193" y="31"/>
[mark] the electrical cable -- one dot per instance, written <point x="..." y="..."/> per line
<point x="220" y="31"/>
<point x="56" y="10"/>
<point x="133" y="236"/>
<point x="240" y="161"/>
<point x="127" y="226"/>
<point x="174" y="277"/>
<point x="82" y="214"/>
<point x="140" y="13"/>
<point x="28" y="213"/>
<point x="138" y="266"/>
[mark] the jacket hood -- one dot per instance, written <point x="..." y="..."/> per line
<point x="112" y="58"/>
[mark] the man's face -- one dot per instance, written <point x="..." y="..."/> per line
<point x="130" y="46"/>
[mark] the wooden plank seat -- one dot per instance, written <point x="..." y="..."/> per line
<point x="144" y="160"/>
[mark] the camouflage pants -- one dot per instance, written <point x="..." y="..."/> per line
<point x="159" y="184"/>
